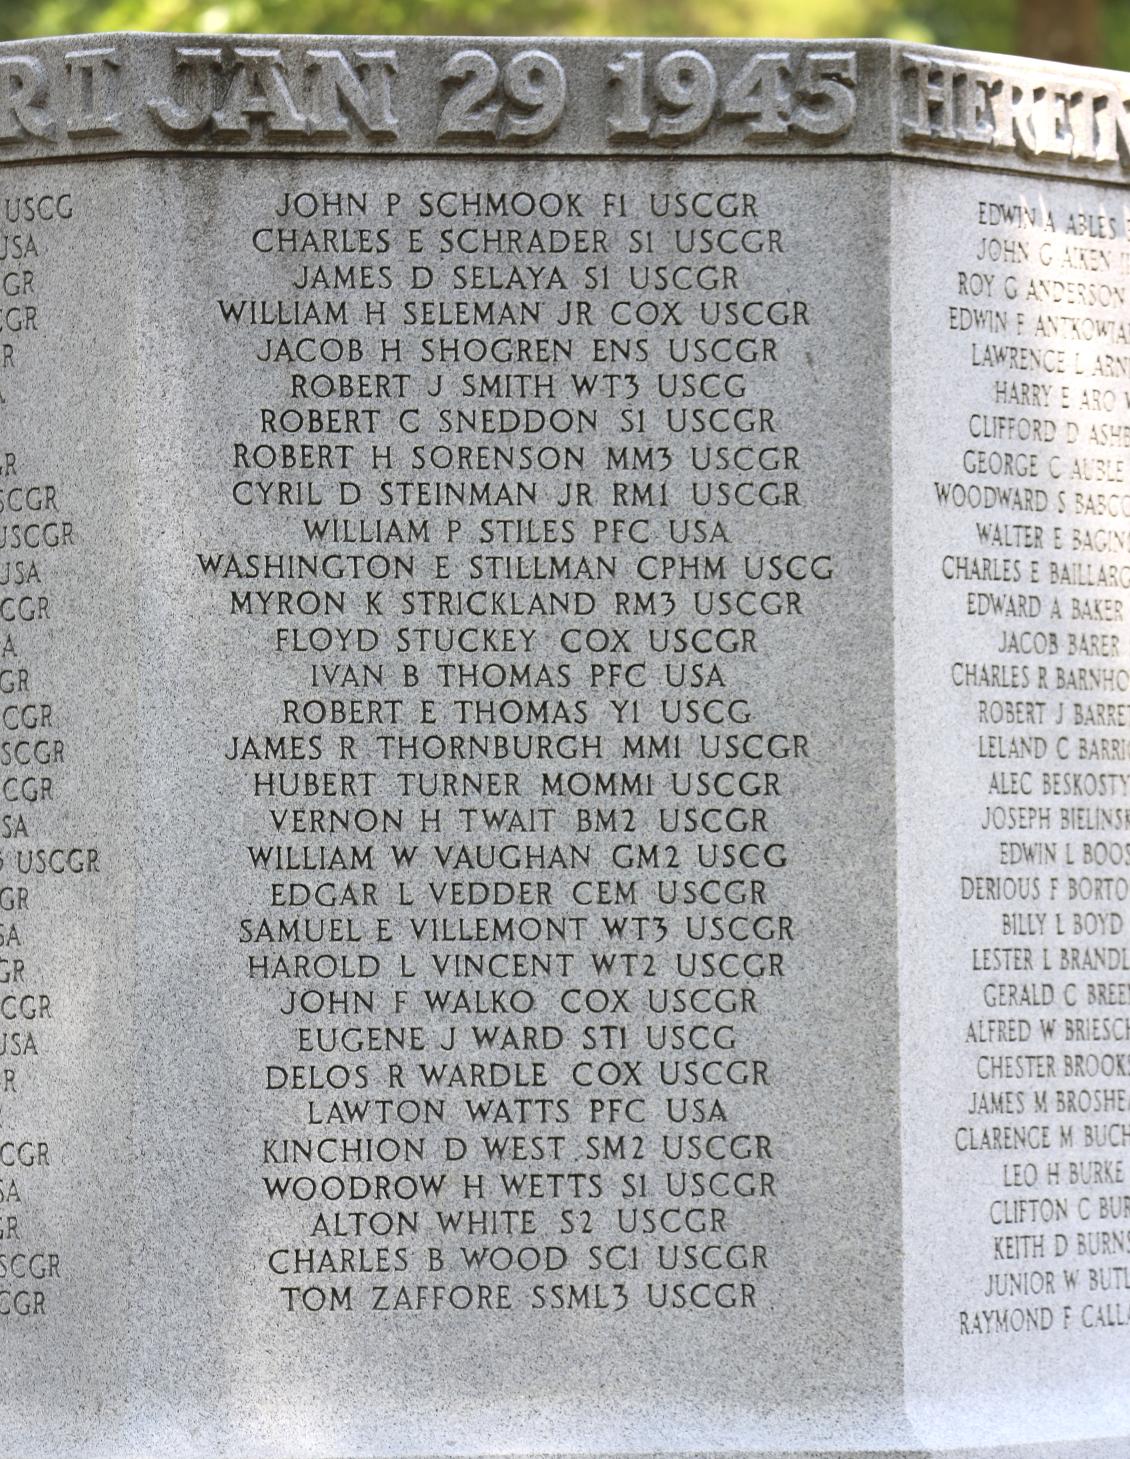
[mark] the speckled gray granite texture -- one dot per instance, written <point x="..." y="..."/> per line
<point x="564" y="750"/>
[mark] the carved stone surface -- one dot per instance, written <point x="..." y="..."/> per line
<point x="566" y="749"/>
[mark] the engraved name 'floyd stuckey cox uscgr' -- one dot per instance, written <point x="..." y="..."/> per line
<point x="564" y="749"/>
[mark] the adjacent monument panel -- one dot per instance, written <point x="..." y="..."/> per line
<point x="1012" y="577"/>
<point x="562" y="685"/>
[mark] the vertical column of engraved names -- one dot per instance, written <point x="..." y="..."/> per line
<point x="37" y="546"/>
<point x="1028" y="503"/>
<point x="509" y="520"/>
<point x="67" y="717"/>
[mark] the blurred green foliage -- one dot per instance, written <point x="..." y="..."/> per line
<point x="989" y="25"/>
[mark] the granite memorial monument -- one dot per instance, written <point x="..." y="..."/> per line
<point x="565" y="776"/>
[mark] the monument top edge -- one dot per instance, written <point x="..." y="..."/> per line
<point x="191" y="94"/>
<point x="879" y="46"/>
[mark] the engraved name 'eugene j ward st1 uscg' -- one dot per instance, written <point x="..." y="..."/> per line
<point x="564" y="749"/>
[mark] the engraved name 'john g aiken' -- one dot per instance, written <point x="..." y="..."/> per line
<point x="959" y="105"/>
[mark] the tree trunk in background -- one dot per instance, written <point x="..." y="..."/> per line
<point x="1060" y="30"/>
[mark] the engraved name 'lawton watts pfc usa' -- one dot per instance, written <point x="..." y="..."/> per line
<point x="565" y="756"/>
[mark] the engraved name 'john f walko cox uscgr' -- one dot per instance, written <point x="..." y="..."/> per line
<point x="564" y="749"/>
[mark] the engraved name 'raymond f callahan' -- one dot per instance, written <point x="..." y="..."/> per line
<point x="564" y="749"/>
